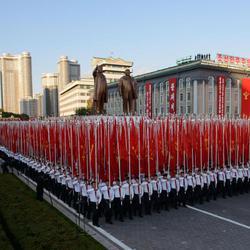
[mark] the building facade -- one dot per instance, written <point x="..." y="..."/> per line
<point x="29" y="106"/>
<point x="197" y="87"/>
<point x="113" y="68"/>
<point x="68" y="71"/>
<point x="50" y="94"/>
<point x="39" y="98"/>
<point x="15" y="80"/>
<point x="75" y="95"/>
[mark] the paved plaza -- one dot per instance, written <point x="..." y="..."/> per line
<point x="187" y="228"/>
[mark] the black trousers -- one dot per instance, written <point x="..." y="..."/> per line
<point x="228" y="188"/>
<point x="234" y="186"/>
<point x="190" y="195"/>
<point x="198" y="194"/>
<point x="213" y="190"/>
<point x="164" y="199"/>
<point x="94" y="211"/>
<point x="240" y="186"/>
<point x="206" y="192"/>
<point x="146" y="203"/>
<point x="173" y="198"/>
<point x="136" y="205"/>
<point x="127" y="207"/>
<point x="221" y="188"/>
<point x="182" y="196"/>
<point x="246" y="186"/>
<point x="156" y="201"/>
<point x="107" y="211"/>
<point x="117" y="209"/>
<point x="84" y="206"/>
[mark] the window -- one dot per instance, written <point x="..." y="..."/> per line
<point x="188" y="82"/>
<point x="188" y="109"/>
<point x="181" y="97"/>
<point x="210" y="96"/>
<point x="210" y="109"/>
<point x="227" y="109"/>
<point x="236" y="110"/>
<point x="188" y="96"/>
<point x="181" y="109"/>
<point x="181" y="84"/>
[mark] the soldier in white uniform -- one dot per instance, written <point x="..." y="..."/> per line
<point x="156" y="188"/>
<point x="213" y="183"/>
<point x="147" y="193"/>
<point x="206" y="180"/>
<point x="76" y="194"/>
<point x="183" y="189"/>
<point x="69" y="189"/>
<point x="137" y="199"/>
<point x="234" y="175"/>
<point x="127" y="197"/>
<point x="95" y="198"/>
<point x="245" y="183"/>
<point x="240" y="179"/>
<point x="84" y="198"/>
<point x="165" y="192"/>
<point x="221" y="182"/>
<point x="190" y="188"/>
<point x="117" y="202"/>
<point x="199" y="187"/>
<point x="107" y="198"/>
<point x="228" y="187"/>
<point x="174" y="192"/>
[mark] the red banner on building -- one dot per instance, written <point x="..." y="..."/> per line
<point x="172" y="95"/>
<point x="221" y="88"/>
<point x="245" y="98"/>
<point x="148" y="91"/>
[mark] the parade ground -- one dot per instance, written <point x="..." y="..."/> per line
<point x="221" y="224"/>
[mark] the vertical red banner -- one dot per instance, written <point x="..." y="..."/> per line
<point x="245" y="98"/>
<point x="172" y="95"/>
<point x="221" y="88"/>
<point x="148" y="99"/>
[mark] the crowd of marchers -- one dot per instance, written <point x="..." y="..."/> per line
<point x="134" y="196"/>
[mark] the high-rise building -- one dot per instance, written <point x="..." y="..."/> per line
<point x="68" y="70"/>
<point x="15" y="80"/>
<point x="113" y="68"/>
<point x="50" y="94"/>
<point x="39" y="98"/>
<point x="75" y="95"/>
<point x="29" y="106"/>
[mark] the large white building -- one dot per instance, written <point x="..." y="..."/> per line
<point x="113" y="68"/>
<point x="75" y="95"/>
<point x="15" y="80"/>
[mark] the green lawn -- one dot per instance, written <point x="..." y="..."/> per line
<point x="4" y="241"/>
<point x="35" y="224"/>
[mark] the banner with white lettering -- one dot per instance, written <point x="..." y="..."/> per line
<point x="172" y="95"/>
<point x="221" y="89"/>
<point x="148" y="99"/>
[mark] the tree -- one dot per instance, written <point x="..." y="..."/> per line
<point x="83" y="111"/>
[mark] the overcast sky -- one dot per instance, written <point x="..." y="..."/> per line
<point x="151" y="33"/>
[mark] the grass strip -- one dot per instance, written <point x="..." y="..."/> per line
<point x="37" y="225"/>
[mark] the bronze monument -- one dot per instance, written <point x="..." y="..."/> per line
<point x="128" y="91"/>
<point x="100" y="89"/>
